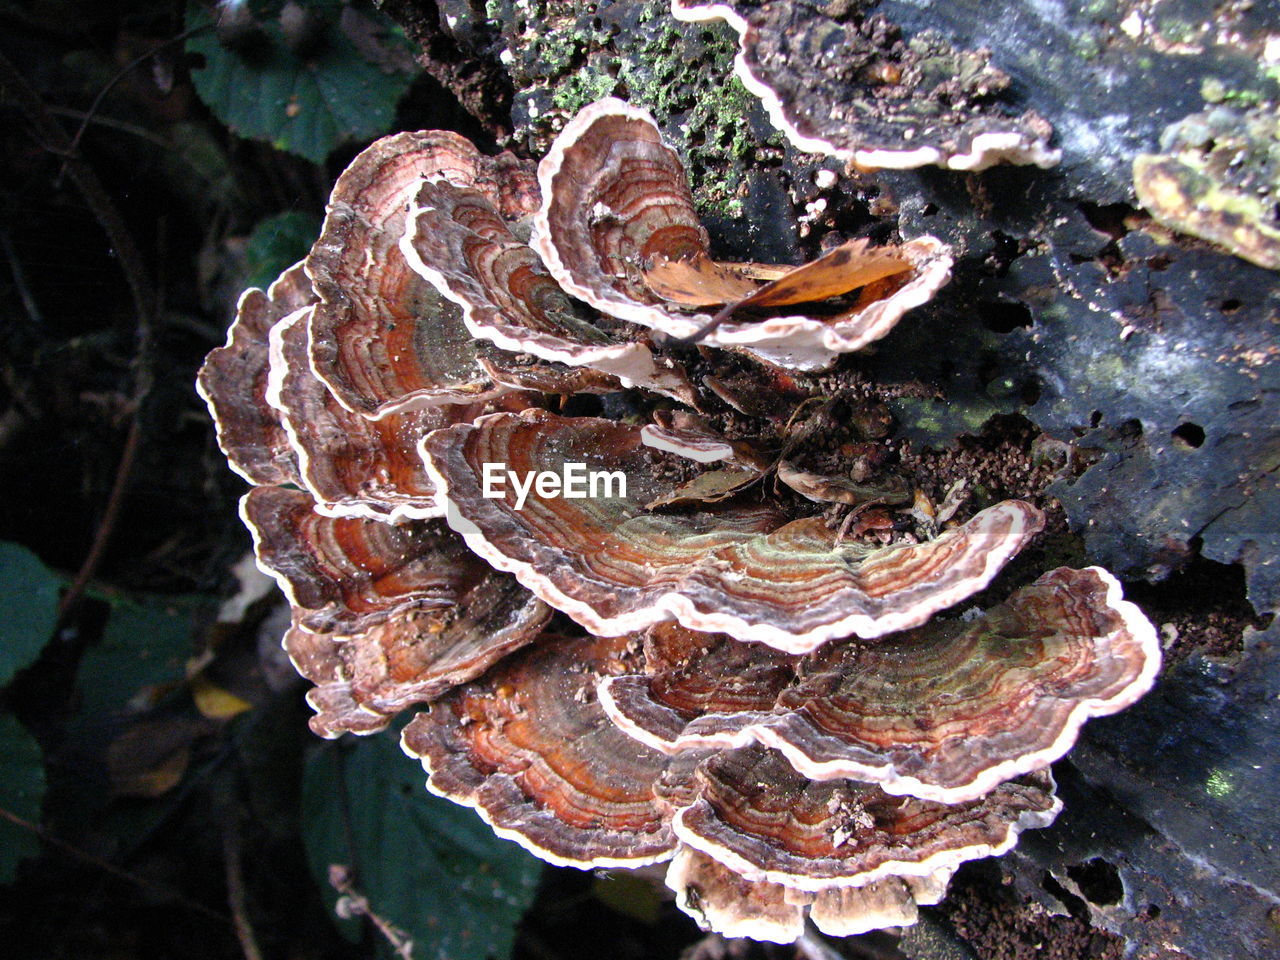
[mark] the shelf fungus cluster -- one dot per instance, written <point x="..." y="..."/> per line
<point x="840" y="79"/>
<point x="735" y="655"/>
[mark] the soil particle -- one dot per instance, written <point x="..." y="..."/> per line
<point x="1001" y="927"/>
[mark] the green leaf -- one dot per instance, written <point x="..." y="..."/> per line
<point x="306" y="106"/>
<point x="145" y="645"/>
<point x="29" y="599"/>
<point x="277" y="243"/>
<point x="21" y="789"/>
<point x="429" y="867"/>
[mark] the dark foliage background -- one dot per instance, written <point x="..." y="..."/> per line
<point x="160" y="794"/>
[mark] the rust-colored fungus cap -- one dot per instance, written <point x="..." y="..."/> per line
<point x="363" y="680"/>
<point x="343" y="575"/>
<point x="233" y="383"/>
<point x="383" y="615"/>
<point x="756" y="815"/>
<point x="727" y="903"/>
<point x="318" y="657"/>
<point x="617" y="228"/>
<point x="383" y="339"/>
<point x="458" y="241"/>
<point x="853" y="88"/>
<point x="530" y="748"/>
<point x="352" y="465"/>
<point x="943" y="712"/>
<point x="742" y="569"/>
<point x="699" y="690"/>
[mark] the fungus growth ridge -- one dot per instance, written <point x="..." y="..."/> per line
<point x="756" y="678"/>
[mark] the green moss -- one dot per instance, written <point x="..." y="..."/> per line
<point x="1218" y="179"/>
<point x="567" y="57"/>
<point x="1098" y="9"/>
<point x="583" y="87"/>
<point x="1176" y="31"/>
<point x="1219" y="784"/>
<point x="1087" y="46"/>
<point x="557" y="50"/>
<point x="1213" y="90"/>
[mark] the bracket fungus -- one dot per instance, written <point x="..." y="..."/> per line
<point x="944" y="712"/>
<point x="762" y="692"/>
<point x="617" y="228"/>
<point x="853" y="87"/>
<point x="233" y="382"/>
<point x="746" y="570"/>
<point x="458" y="240"/>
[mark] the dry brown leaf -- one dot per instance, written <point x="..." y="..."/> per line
<point x="698" y="281"/>
<point x="842" y="270"/>
<point x="710" y="487"/>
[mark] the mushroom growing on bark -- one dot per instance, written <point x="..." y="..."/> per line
<point x="744" y="569"/>
<point x="853" y="87"/>
<point x="617" y="228"/>
<point x="764" y="695"/>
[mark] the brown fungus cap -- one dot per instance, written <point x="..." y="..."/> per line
<point x="617" y="228"/>
<point x="530" y="748"/>
<point x="682" y="433"/>
<point x="384" y="615"/>
<point x="363" y="680"/>
<point x="726" y="903"/>
<point x="944" y="712"/>
<point x="853" y="88"/>
<point x="233" y="383"/>
<point x="352" y="465"/>
<point x="318" y="657"/>
<point x="742" y="569"/>
<point x="343" y="575"/>
<point x="458" y="241"/>
<point x="383" y="339"/>
<point x="699" y="690"/>
<point x="757" y="816"/>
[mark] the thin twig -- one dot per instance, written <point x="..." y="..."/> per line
<point x="123" y="72"/>
<point x="112" y="869"/>
<point x="20" y="279"/>
<point x="106" y="525"/>
<point x="111" y="122"/>
<point x="811" y="946"/>
<point x="352" y="903"/>
<point x="48" y="131"/>
<point x="235" y="890"/>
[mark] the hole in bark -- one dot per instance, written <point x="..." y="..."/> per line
<point x="1004" y="316"/>
<point x="1031" y="391"/>
<point x="1099" y="881"/>
<point x="1189" y="435"/>
<point x="1108" y="218"/>
<point x="1130" y="430"/>
<point x="1229" y="306"/>
<point x="1004" y="250"/>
